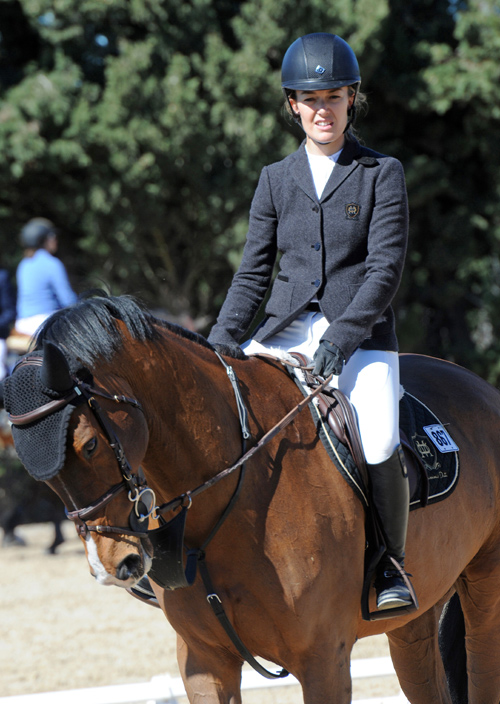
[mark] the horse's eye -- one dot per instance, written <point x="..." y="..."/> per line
<point x="90" y="446"/>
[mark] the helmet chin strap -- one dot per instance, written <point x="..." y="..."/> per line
<point x="352" y="117"/>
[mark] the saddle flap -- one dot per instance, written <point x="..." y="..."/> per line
<point x="328" y="408"/>
<point x="341" y="417"/>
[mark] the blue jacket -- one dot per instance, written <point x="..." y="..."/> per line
<point x="42" y="285"/>
<point x="347" y="249"/>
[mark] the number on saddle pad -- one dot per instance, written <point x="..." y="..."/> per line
<point x="440" y="438"/>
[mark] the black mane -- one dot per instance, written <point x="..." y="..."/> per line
<point x="87" y="331"/>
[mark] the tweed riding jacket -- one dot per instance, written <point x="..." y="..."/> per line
<point x="346" y="249"/>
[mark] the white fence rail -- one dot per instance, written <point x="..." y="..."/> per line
<point x="164" y="689"/>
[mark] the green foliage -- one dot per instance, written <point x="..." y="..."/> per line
<point x="443" y="122"/>
<point x="141" y="126"/>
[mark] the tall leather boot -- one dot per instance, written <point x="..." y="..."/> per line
<point x="391" y="499"/>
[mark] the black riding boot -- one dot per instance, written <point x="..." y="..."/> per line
<point x="391" y="499"/>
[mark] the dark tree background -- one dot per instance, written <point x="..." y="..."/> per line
<point x="140" y="127"/>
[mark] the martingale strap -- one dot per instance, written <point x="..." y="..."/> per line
<point x="168" y="540"/>
<point x="216" y="604"/>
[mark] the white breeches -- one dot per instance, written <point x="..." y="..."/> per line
<point x="370" y="380"/>
<point x="29" y="326"/>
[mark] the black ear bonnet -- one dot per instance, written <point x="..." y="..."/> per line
<point x="39" y="378"/>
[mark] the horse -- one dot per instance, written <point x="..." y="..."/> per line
<point x="111" y="393"/>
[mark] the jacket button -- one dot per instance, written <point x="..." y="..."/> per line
<point x="317" y="246"/>
<point x="315" y="208"/>
<point x="316" y="283"/>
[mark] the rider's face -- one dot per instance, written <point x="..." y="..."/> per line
<point x="323" y="115"/>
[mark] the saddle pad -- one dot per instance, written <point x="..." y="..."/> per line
<point x="442" y="469"/>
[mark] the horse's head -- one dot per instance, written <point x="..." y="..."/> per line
<point x="86" y="440"/>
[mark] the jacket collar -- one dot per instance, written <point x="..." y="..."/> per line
<point x="345" y="165"/>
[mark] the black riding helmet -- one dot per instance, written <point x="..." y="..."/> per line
<point x="319" y="61"/>
<point x="35" y="232"/>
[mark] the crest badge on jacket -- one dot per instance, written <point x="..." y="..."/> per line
<point x="352" y="211"/>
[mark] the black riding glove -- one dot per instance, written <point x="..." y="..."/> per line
<point x="229" y="350"/>
<point x="328" y="359"/>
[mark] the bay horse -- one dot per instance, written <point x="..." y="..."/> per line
<point x="287" y="561"/>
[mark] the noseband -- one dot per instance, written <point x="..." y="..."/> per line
<point x="136" y="486"/>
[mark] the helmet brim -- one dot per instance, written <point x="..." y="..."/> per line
<point x="315" y="84"/>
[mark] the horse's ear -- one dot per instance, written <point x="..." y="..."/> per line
<point x="55" y="373"/>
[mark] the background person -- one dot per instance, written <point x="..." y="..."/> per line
<point x="338" y="214"/>
<point x="7" y="317"/>
<point x="42" y="282"/>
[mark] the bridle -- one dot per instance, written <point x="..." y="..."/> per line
<point x="135" y="485"/>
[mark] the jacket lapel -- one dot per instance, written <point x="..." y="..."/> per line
<point x="300" y="172"/>
<point x="343" y="168"/>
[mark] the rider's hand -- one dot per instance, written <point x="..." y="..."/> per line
<point x="328" y="359"/>
<point x="233" y="350"/>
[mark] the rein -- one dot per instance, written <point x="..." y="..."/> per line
<point x="281" y="425"/>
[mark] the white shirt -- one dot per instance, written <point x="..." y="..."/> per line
<point x="321" y="169"/>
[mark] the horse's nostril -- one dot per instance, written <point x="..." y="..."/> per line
<point x="130" y="566"/>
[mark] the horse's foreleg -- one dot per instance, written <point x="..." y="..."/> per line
<point x="58" y="538"/>
<point x="327" y="684"/>
<point x="417" y="661"/>
<point x="211" y="675"/>
<point x="324" y="669"/>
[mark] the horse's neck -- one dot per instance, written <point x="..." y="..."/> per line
<point x="191" y="414"/>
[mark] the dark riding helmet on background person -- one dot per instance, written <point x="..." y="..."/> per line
<point x="36" y="231"/>
<point x="319" y="61"/>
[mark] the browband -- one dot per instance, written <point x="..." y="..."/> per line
<point x="45" y="410"/>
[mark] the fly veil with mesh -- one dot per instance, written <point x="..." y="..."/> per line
<point x="40" y="378"/>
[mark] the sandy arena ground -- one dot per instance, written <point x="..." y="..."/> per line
<point x="61" y="630"/>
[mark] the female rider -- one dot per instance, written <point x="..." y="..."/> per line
<point x="338" y="214"/>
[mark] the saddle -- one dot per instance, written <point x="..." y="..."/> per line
<point x="432" y="470"/>
<point x="340" y="415"/>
